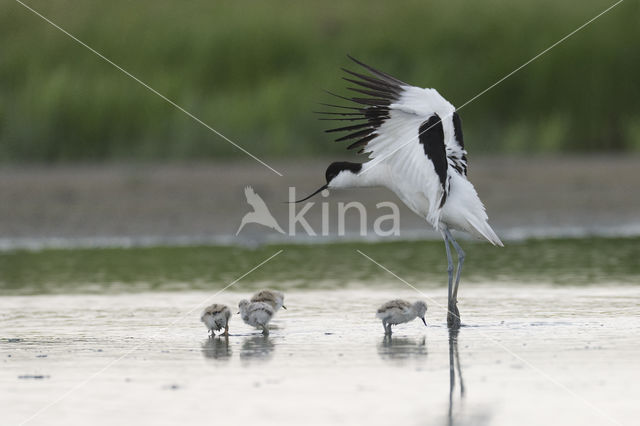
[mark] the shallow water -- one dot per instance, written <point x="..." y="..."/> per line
<point x="317" y="266"/>
<point x="528" y="354"/>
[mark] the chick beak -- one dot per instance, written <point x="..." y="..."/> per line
<point x="284" y="307"/>
<point x="423" y="320"/>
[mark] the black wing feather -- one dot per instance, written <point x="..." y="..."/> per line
<point x="461" y="163"/>
<point x="342" y="119"/>
<point x="382" y="89"/>
<point x="361" y="133"/>
<point x="383" y="75"/>
<point x="362" y="142"/>
<point x="368" y="85"/>
<point x="379" y="84"/>
<point x="359" y="114"/>
<point x="346" y="128"/>
<point x="374" y="93"/>
<point x="342" y="106"/>
<point x="431" y="135"/>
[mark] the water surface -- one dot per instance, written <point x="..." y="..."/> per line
<point x="529" y="354"/>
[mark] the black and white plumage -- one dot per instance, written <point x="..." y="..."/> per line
<point x="274" y="298"/>
<point x="216" y="317"/>
<point x="413" y="138"/>
<point x="400" y="311"/>
<point x="256" y="314"/>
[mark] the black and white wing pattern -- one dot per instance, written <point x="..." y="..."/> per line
<point x="413" y="132"/>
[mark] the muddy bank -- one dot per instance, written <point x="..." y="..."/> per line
<point x="155" y="203"/>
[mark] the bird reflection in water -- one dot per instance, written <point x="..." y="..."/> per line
<point x="257" y="348"/>
<point x="217" y="348"/>
<point x="454" y="365"/>
<point x="402" y="349"/>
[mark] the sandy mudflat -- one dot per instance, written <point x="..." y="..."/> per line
<point x="191" y="202"/>
<point x="529" y="355"/>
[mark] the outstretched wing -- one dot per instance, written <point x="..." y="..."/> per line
<point x="408" y="129"/>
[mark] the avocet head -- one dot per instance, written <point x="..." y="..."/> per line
<point x="420" y="308"/>
<point x="341" y="174"/>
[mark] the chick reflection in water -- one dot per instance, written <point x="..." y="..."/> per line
<point x="402" y="349"/>
<point x="217" y="348"/>
<point x="256" y="348"/>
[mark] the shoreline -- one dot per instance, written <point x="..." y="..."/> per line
<point x="203" y="203"/>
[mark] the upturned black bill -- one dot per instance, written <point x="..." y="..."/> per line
<point x="322" y="188"/>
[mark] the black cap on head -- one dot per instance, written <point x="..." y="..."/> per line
<point x="332" y="171"/>
<point x="337" y="167"/>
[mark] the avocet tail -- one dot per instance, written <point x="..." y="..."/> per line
<point x="483" y="230"/>
<point x="464" y="210"/>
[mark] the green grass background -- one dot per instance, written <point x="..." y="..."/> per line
<point x="255" y="71"/>
<point x="319" y="266"/>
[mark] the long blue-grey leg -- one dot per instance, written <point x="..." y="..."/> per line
<point x="453" y="317"/>
<point x="449" y="265"/>
<point x="461" y="256"/>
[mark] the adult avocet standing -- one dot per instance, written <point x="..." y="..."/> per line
<point x="413" y="137"/>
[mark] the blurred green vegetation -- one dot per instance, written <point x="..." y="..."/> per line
<point x="322" y="266"/>
<point x="255" y="71"/>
